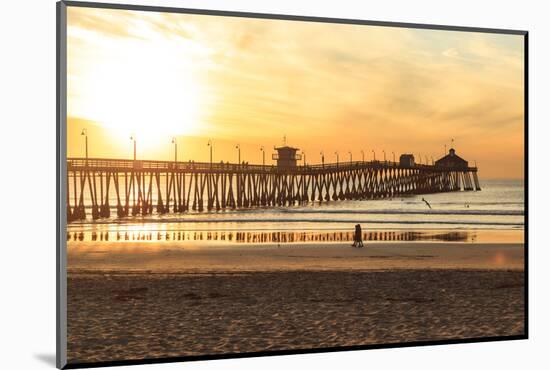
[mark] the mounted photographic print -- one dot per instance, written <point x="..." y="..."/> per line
<point x="237" y="184"/>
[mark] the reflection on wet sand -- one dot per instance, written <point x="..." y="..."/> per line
<point x="256" y="237"/>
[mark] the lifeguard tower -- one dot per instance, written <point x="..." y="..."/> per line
<point x="286" y="156"/>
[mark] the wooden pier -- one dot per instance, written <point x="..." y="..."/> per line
<point x="143" y="187"/>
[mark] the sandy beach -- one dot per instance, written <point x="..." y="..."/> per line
<point x="152" y="300"/>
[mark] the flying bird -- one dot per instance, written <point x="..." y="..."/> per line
<point x="428" y="204"/>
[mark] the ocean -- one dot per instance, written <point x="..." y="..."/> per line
<point x="494" y="214"/>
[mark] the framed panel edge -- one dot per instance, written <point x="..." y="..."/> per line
<point x="61" y="175"/>
<point x="289" y="17"/>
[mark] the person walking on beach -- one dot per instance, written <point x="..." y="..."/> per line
<point x="358" y="237"/>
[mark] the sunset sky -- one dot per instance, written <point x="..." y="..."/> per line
<point x="327" y="87"/>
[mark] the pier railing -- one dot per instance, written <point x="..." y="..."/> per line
<point x="94" y="164"/>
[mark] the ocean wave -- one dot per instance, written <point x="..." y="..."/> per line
<point x="463" y="201"/>
<point x="493" y="212"/>
<point x="286" y="210"/>
<point x="303" y="220"/>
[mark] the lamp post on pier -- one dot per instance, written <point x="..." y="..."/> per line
<point x="374" y="155"/>
<point x="262" y="149"/>
<point x="350" y="157"/>
<point x="85" y="134"/>
<point x="383" y="151"/>
<point x="304" y="154"/>
<point x="322" y="158"/>
<point x="238" y="147"/>
<point x="175" y="142"/>
<point x="210" y="145"/>
<point x="133" y="138"/>
<point x="337" y="158"/>
<point x="362" y="156"/>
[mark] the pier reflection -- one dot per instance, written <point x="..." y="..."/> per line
<point x="264" y="237"/>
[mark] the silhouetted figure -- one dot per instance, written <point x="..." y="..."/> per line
<point x="358" y="237"/>
<point x="428" y="204"/>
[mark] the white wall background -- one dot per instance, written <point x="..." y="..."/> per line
<point x="27" y="118"/>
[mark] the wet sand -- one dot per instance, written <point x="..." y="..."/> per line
<point x="143" y="300"/>
<point x="203" y="256"/>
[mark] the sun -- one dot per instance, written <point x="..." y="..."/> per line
<point x="147" y="89"/>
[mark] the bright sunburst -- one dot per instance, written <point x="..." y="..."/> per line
<point x="144" y="88"/>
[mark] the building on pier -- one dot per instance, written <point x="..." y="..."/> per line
<point x="451" y="160"/>
<point x="406" y="160"/>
